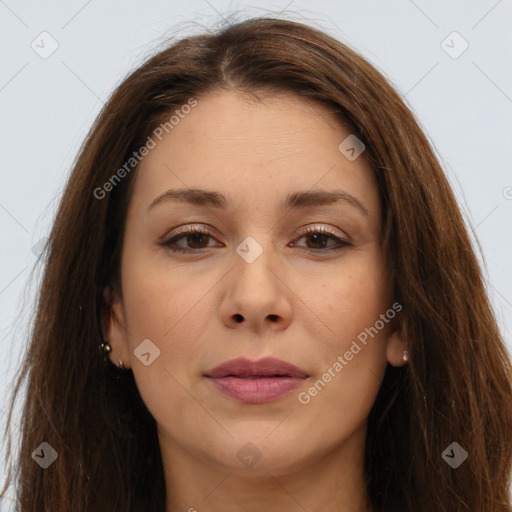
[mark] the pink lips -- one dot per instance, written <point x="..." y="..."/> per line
<point x="256" y="382"/>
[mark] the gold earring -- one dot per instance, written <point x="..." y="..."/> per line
<point x="406" y="356"/>
<point x="105" y="347"/>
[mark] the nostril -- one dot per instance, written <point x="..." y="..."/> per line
<point x="239" y="318"/>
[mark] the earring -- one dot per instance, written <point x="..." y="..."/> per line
<point x="106" y="347"/>
<point x="406" y="356"/>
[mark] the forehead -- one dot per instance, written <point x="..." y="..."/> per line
<point x="255" y="150"/>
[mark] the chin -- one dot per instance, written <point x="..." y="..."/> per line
<point x="256" y="452"/>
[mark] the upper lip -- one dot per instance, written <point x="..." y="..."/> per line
<point x="266" y="367"/>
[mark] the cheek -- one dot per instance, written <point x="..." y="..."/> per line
<point x="172" y="308"/>
<point x="171" y="311"/>
<point x="352" y="299"/>
<point x="161" y="298"/>
<point x="352" y="366"/>
<point x="353" y="356"/>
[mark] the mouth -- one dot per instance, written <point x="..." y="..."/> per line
<point x="256" y="382"/>
<point x="268" y="367"/>
<point x="257" y="376"/>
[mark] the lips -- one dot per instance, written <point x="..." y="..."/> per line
<point x="256" y="382"/>
<point x="267" y="367"/>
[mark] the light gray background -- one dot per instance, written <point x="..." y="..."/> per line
<point x="47" y="105"/>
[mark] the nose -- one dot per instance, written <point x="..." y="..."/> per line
<point x="256" y="295"/>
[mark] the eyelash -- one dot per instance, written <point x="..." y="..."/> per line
<point x="205" y="231"/>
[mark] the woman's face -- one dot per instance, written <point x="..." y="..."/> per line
<point x="281" y="272"/>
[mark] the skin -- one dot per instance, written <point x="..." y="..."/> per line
<point x="296" y="303"/>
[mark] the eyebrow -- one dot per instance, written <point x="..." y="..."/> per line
<point x="294" y="200"/>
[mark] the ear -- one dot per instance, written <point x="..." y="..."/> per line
<point x="114" y="328"/>
<point x="395" y="349"/>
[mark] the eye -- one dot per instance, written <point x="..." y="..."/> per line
<point x="196" y="237"/>
<point x="319" y="237"/>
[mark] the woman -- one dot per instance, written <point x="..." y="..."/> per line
<point x="260" y="294"/>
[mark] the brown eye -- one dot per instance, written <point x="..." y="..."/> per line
<point x="319" y="237"/>
<point x="195" y="239"/>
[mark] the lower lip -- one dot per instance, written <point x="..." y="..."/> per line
<point x="258" y="390"/>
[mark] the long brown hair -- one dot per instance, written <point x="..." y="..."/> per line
<point x="456" y="387"/>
